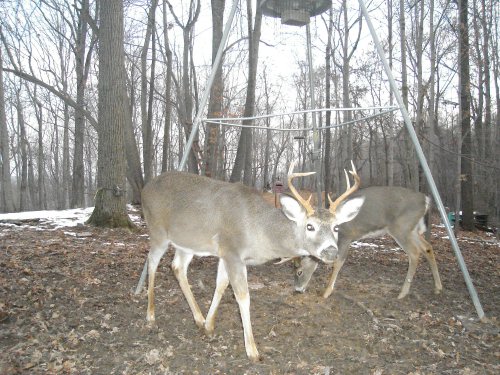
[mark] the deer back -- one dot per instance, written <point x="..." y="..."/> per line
<point x="386" y="208"/>
<point x="207" y="216"/>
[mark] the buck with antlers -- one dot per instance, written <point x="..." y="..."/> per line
<point x="204" y="217"/>
<point x="393" y="210"/>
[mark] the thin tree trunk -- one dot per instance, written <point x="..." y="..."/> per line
<point x="328" y="132"/>
<point x="408" y="151"/>
<point x="243" y="160"/>
<point x="146" y="118"/>
<point x="168" y="89"/>
<point x="42" y="199"/>
<point x="7" y="198"/>
<point x="420" y="124"/>
<point x="77" y="191"/>
<point x="23" y="142"/>
<point x="465" y="118"/>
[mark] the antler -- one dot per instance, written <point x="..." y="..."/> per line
<point x="349" y="189"/>
<point x="306" y="203"/>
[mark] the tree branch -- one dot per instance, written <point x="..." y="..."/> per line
<point x="64" y="97"/>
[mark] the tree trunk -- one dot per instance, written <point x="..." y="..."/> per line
<point x="146" y="99"/>
<point x="77" y="191"/>
<point x="23" y="142"/>
<point x="420" y="125"/>
<point x="42" y="198"/>
<point x="168" y="89"/>
<point x="66" y="173"/>
<point x="186" y="105"/>
<point x="465" y="118"/>
<point x="216" y="92"/>
<point x="328" y="132"/>
<point x="389" y="158"/>
<point x="408" y="151"/>
<point x="243" y="161"/>
<point x="7" y="198"/>
<point x="134" y="170"/>
<point x="110" y="205"/>
<point x="267" y="184"/>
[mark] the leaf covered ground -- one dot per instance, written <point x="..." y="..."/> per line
<point x="67" y="306"/>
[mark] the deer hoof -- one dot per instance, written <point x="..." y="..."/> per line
<point x="254" y="357"/>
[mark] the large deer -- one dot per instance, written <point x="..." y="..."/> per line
<point x="204" y="217"/>
<point x="391" y="210"/>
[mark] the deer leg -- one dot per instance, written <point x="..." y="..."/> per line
<point x="237" y="273"/>
<point x="337" y="265"/>
<point x="221" y="285"/>
<point x="428" y="251"/>
<point x="157" y="251"/>
<point x="413" y="255"/>
<point x="180" y="266"/>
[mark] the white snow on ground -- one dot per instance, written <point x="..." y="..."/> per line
<point x="58" y="219"/>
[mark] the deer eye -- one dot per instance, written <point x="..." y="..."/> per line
<point x="336" y="228"/>
<point x="310" y="228"/>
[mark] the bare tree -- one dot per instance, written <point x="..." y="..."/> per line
<point x="147" y="97"/>
<point x="465" y="118"/>
<point x="186" y="104"/>
<point x="328" y="136"/>
<point x="82" y="58"/>
<point x="216" y="91"/>
<point x="110" y="205"/>
<point x="243" y="161"/>
<point x="168" y="90"/>
<point x="7" y="198"/>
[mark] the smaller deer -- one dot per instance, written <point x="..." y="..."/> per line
<point x="205" y="217"/>
<point x="391" y="210"/>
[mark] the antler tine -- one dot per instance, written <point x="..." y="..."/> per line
<point x="347" y="182"/>
<point x="305" y="203"/>
<point x="349" y="190"/>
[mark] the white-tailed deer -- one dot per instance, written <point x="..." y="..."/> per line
<point x="396" y="211"/>
<point x="204" y="217"/>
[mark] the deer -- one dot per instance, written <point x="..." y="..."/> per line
<point x="200" y="216"/>
<point x="392" y="210"/>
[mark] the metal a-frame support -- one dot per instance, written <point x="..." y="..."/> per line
<point x="423" y="163"/>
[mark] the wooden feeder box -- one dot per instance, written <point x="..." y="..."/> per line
<point x="295" y="12"/>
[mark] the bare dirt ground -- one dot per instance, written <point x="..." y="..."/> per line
<point x="67" y="306"/>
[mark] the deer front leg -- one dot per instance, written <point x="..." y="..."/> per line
<point x="221" y="285"/>
<point x="337" y="265"/>
<point x="237" y="273"/>
<point x="180" y="266"/>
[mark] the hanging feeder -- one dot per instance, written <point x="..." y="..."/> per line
<point x="294" y="12"/>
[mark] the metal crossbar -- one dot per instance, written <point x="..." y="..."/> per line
<point x="221" y="120"/>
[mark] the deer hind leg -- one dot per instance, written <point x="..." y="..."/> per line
<point x="428" y="251"/>
<point x="237" y="273"/>
<point x="180" y="266"/>
<point x="411" y="249"/>
<point x="337" y="265"/>
<point x="158" y="249"/>
<point x="221" y="285"/>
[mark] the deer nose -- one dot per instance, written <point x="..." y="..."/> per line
<point x="329" y="254"/>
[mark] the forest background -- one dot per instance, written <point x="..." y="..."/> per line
<point x="444" y="55"/>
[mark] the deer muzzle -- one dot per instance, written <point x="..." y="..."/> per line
<point x="329" y="254"/>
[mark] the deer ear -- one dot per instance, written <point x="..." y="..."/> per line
<point x="349" y="210"/>
<point x="292" y="209"/>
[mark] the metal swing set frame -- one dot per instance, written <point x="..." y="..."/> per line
<point x="315" y="146"/>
